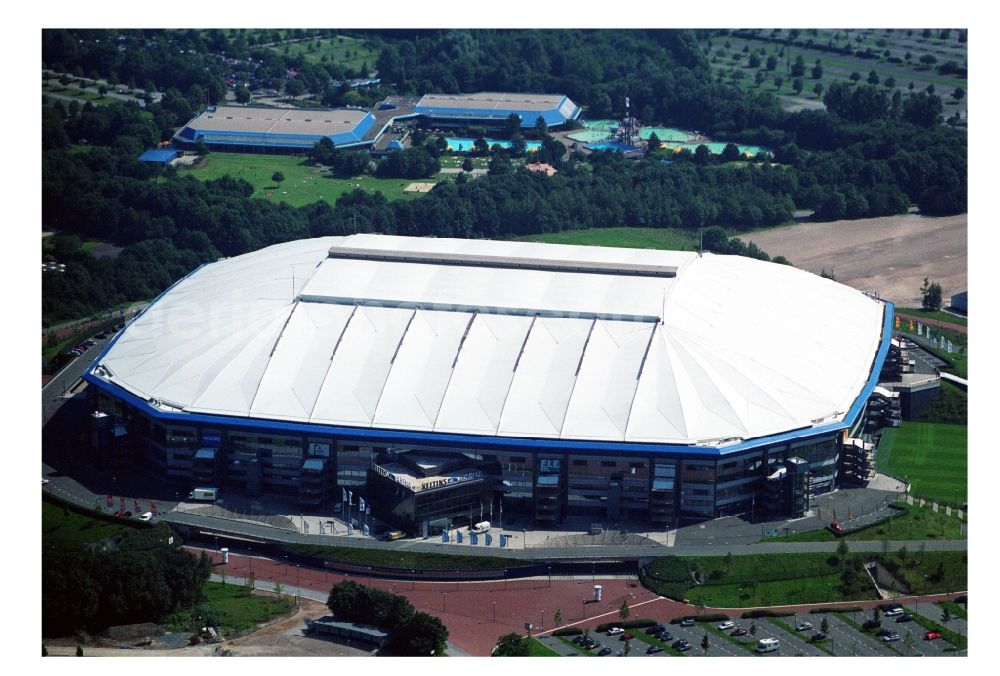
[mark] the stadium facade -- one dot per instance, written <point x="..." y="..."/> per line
<point x="440" y="378"/>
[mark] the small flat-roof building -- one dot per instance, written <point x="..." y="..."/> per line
<point x="238" y="128"/>
<point x="161" y="157"/>
<point x="328" y="625"/>
<point x="493" y="108"/>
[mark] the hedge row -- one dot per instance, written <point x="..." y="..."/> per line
<point x="837" y="609"/>
<point x="631" y="624"/>
<point x="568" y="631"/>
<point x="708" y="617"/>
<point x="753" y="614"/>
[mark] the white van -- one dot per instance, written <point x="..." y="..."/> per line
<point x="481" y="527"/>
<point x="767" y="645"/>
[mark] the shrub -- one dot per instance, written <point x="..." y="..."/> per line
<point x="710" y="617"/>
<point x="837" y="609"/>
<point x="568" y="631"/>
<point x="753" y="614"/>
<point x="631" y="624"/>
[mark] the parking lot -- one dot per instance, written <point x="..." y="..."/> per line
<point x="843" y="638"/>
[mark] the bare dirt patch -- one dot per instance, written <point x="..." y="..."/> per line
<point x="419" y="187"/>
<point x="889" y="255"/>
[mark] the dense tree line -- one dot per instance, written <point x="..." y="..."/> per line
<point x="139" y="579"/>
<point x="413" y="633"/>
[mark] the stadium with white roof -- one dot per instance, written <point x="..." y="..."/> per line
<point x="434" y="376"/>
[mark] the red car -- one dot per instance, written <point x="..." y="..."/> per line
<point x="931" y="635"/>
<point x="836" y="527"/>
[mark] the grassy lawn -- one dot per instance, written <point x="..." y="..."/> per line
<point x="940" y="316"/>
<point x="395" y="558"/>
<point x="579" y="648"/>
<point x="303" y="184"/>
<point x="765" y="580"/>
<point x="637" y="238"/>
<point x="932" y="456"/>
<point x="913" y="522"/>
<point x="538" y="649"/>
<point x="955" y="609"/>
<point x="350" y="52"/>
<point x="70" y="528"/>
<point x="234" y="608"/>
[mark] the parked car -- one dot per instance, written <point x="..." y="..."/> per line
<point x="687" y="622"/>
<point x="893" y="612"/>
<point x="738" y="631"/>
<point x="884" y="632"/>
<point x="871" y="624"/>
<point x="664" y="636"/>
<point x="817" y="637"/>
<point x="803" y="626"/>
<point x="101" y="336"/>
<point x="653" y="649"/>
<point x="626" y="637"/>
<point x="614" y="631"/>
<point x="723" y="626"/>
<point x="90" y="342"/>
<point x="836" y="527"/>
<point x="655" y="629"/>
<point x="579" y="639"/>
<point x="681" y="645"/>
<point x="931" y="636"/>
<point x="905" y="617"/>
<point x="146" y="516"/>
<point x="888" y="638"/>
<point x="604" y="651"/>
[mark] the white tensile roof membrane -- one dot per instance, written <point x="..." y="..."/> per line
<point x="505" y="339"/>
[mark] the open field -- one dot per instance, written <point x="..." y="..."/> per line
<point x="303" y="184"/>
<point x="890" y="255"/>
<point x="233" y="606"/>
<point x="638" y="238"/>
<point x="886" y="45"/>
<point x="352" y="53"/>
<point x="933" y="457"/>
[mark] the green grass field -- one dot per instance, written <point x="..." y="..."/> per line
<point x="914" y="522"/>
<point x="538" y="649"/>
<point x="940" y="316"/>
<point x="303" y="184"/>
<point x="932" y="456"/>
<point x="402" y="558"/>
<point x="233" y="607"/>
<point x="350" y="52"/>
<point x="69" y="528"/>
<point x="637" y="238"/>
<point x="765" y="579"/>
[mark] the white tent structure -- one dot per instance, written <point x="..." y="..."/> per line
<point x="505" y="339"/>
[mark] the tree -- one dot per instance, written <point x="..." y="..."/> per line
<point x="873" y="77"/>
<point x="797" y="85"/>
<point x="753" y="61"/>
<point x="799" y="67"/>
<point x="654" y="143"/>
<point x="842" y="549"/>
<point x="818" y="89"/>
<point x="753" y="630"/>
<point x="627" y="648"/>
<point x="243" y="95"/>
<point x="778" y="81"/>
<point x="772" y="62"/>
<point x="467" y="164"/>
<point x="295" y="87"/>
<point x="817" y="71"/>
<point x="557" y="618"/>
<point x="419" y="636"/>
<point x="759" y="78"/>
<point x="824" y="626"/>
<point x="704" y="643"/>
<point x="930" y="292"/>
<point x="278" y="177"/>
<point x="890" y="82"/>
<point x="511" y="645"/>
<point x="958" y="94"/>
<point x="79" y="651"/>
<point x="855" y="76"/>
<point x="945" y="615"/>
<point x="623" y="612"/>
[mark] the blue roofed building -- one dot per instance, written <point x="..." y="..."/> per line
<point x="161" y="157"/>
<point x="283" y="130"/>
<point x="493" y="109"/>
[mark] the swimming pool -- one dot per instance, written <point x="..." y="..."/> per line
<point x="611" y="145"/>
<point x="465" y="145"/>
